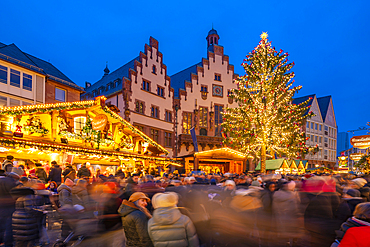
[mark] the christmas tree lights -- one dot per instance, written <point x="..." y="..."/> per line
<point x="266" y="122"/>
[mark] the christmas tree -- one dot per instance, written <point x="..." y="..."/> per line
<point x="266" y="122"/>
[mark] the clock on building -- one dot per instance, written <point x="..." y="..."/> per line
<point x="217" y="91"/>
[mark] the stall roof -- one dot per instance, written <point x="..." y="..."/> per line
<point x="221" y="153"/>
<point x="99" y="102"/>
<point x="271" y="164"/>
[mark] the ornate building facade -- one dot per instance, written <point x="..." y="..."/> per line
<point x="165" y="107"/>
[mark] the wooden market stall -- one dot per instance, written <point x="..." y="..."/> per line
<point x="283" y="166"/>
<point x="78" y="132"/>
<point x="216" y="160"/>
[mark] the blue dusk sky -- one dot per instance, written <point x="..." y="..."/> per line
<point x="327" y="40"/>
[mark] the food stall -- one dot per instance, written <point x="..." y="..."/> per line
<point x="77" y="132"/>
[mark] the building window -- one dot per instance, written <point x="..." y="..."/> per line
<point x="154" y="134"/>
<point x="167" y="139"/>
<point x="203" y="117"/>
<point x="160" y="91"/>
<point x="139" y="127"/>
<point x="217" y="77"/>
<point x="154" y="69"/>
<point x="27" y="82"/>
<point x="79" y="123"/>
<point x="3" y="101"/>
<point x="154" y="112"/>
<point x="26" y="103"/>
<point x="186" y="122"/>
<point x="15" y="78"/>
<point x="315" y="126"/>
<point x="3" y="74"/>
<point x="320" y="127"/>
<point x="60" y="94"/>
<point x="139" y="107"/>
<point x="316" y="139"/>
<point x="320" y="139"/>
<point x="308" y="125"/>
<point x="204" y="89"/>
<point x="168" y="116"/>
<point x="312" y="126"/>
<point x="146" y="85"/>
<point x="203" y="132"/>
<point x="326" y="140"/>
<point x="14" y="102"/>
<point x="311" y="138"/>
<point x="326" y="128"/>
<point x="218" y="119"/>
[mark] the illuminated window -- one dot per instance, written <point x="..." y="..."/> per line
<point x="154" y="134"/>
<point x="186" y="122"/>
<point x="79" y="123"/>
<point x="203" y="117"/>
<point x="218" y="119"/>
<point x="60" y="94"/>
<point x="139" y="107"/>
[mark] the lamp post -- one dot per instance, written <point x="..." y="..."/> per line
<point x="176" y="123"/>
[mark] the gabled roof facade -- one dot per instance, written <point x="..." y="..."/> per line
<point x="12" y="54"/>
<point x="110" y="83"/>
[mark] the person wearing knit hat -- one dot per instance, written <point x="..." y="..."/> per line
<point x="135" y="216"/>
<point x="169" y="227"/>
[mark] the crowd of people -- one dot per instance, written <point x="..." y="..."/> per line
<point x="172" y="209"/>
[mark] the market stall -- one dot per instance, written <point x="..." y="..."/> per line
<point x="77" y="132"/>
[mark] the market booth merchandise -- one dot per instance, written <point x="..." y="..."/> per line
<point x="77" y="132"/>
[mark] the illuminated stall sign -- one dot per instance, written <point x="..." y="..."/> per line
<point x="361" y="142"/>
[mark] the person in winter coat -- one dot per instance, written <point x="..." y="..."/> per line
<point x="361" y="217"/>
<point x="285" y="207"/>
<point x="349" y="202"/>
<point x="266" y="223"/>
<point x="8" y="163"/>
<point x="135" y="218"/>
<point x="169" y="227"/>
<point x="7" y="207"/>
<point x="25" y="218"/>
<point x="40" y="173"/>
<point x="69" y="172"/>
<point x="80" y="195"/>
<point x="83" y="172"/>
<point x="356" y="237"/>
<point x="55" y="173"/>
<point x="65" y="192"/>
<point x="65" y="198"/>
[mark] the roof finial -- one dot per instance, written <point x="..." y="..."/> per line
<point x="106" y="70"/>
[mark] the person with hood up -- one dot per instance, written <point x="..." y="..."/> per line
<point x="40" y="173"/>
<point x="169" y="227"/>
<point x="84" y="172"/>
<point x="285" y="207"/>
<point x="135" y="218"/>
<point x="55" y="173"/>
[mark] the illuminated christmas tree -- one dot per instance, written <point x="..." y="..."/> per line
<point x="266" y="122"/>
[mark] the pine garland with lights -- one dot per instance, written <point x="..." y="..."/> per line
<point x="266" y="122"/>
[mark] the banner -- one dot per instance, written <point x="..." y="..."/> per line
<point x="194" y="137"/>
